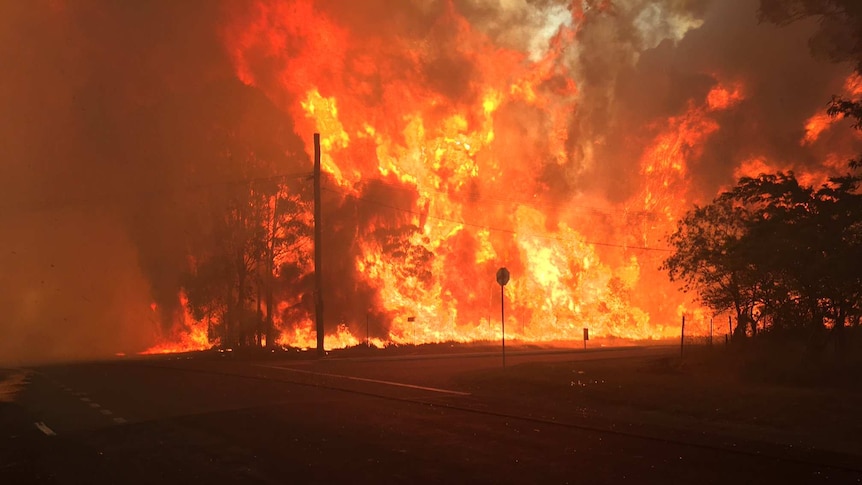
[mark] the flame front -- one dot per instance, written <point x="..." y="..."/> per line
<point x="444" y="154"/>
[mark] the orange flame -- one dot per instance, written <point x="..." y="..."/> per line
<point x="189" y="335"/>
<point x="466" y="131"/>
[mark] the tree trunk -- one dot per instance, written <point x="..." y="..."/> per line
<point x="269" y="277"/>
<point x="240" y="298"/>
<point x="739" y="331"/>
<point x="258" y="322"/>
<point x="270" y="327"/>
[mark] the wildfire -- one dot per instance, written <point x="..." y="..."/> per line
<point x="453" y="136"/>
<point x="191" y="335"/>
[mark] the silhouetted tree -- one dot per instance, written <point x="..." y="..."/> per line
<point x="771" y="249"/>
<point x="709" y="259"/>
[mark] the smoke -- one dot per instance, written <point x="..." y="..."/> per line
<point x="110" y="149"/>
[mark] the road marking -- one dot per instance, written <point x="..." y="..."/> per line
<point x="376" y="381"/>
<point x="95" y="405"/>
<point x="45" y="429"/>
<point x="120" y="421"/>
<point x="85" y="399"/>
<point x="106" y="412"/>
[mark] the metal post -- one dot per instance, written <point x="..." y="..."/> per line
<point x="318" y="229"/>
<point x="503" y="322"/>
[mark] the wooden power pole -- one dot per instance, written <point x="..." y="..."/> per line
<point x="318" y="226"/>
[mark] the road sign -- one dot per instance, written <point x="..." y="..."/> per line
<point x="502" y="276"/>
<point x="502" y="279"/>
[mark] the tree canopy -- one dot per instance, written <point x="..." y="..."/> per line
<point x="774" y="251"/>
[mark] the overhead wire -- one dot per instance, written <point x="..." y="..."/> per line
<point x="559" y="207"/>
<point x="492" y="228"/>
<point x="100" y="199"/>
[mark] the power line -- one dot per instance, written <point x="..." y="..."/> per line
<point x="106" y="199"/>
<point x="492" y="228"/>
<point x="560" y="207"/>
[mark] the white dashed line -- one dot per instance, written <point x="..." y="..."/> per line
<point x="375" y="381"/>
<point x="45" y="429"/>
<point x="82" y="396"/>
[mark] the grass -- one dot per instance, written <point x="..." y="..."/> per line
<point x="751" y="390"/>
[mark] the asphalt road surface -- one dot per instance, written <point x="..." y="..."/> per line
<point x="218" y="419"/>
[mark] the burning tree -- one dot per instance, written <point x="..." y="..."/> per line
<point x="257" y="232"/>
<point x="251" y="226"/>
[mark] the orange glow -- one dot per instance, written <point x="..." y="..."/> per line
<point x="816" y="125"/>
<point x="821" y="122"/>
<point x="753" y="167"/>
<point x="468" y="150"/>
<point x="853" y="86"/>
<point x="441" y="145"/>
<point x="188" y="335"/>
<point x="722" y="98"/>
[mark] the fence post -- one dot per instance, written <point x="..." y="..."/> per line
<point x="682" y="337"/>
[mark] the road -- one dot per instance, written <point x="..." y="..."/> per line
<point x="362" y="420"/>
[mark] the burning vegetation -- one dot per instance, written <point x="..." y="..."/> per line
<point x="563" y="140"/>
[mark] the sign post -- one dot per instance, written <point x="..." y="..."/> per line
<point x="502" y="279"/>
<point x="413" y="321"/>
<point x="586" y="337"/>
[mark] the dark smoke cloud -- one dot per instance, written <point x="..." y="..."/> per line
<point x="639" y="62"/>
<point x="628" y="83"/>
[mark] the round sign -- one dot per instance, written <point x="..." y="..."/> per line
<point x="502" y="276"/>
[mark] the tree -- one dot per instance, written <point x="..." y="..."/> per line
<point x="839" y="36"/>
<point x="775" y="251"/>
<point x="780" y="246"/>
<point x="287" y="238"/>
<point x="708" y="259"/>
<point x="247" y="216"/>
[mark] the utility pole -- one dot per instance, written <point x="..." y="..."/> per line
<point x="318" y="226"/>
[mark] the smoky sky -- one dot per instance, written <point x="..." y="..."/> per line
<point x="110" y="110"/>
<point x="119" y="118"/>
